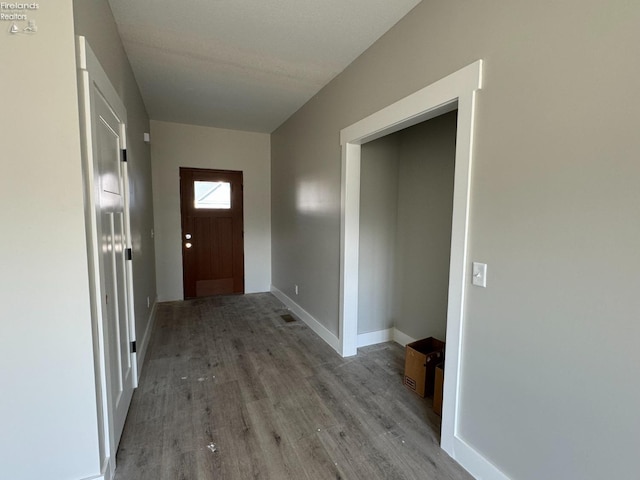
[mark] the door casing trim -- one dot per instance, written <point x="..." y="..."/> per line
<point x="456" y="91"/>
<point x="89" y="68"/>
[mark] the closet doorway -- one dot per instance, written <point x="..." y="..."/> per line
<point x="454" y="92"/>
<point x="406" y="207"/>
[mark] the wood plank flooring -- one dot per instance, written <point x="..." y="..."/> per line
<point x="231" y="391"/>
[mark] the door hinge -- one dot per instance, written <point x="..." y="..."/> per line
<point x="133" y="347"/>
<point x="128" y="254"/>
<point x="123" y="154"/>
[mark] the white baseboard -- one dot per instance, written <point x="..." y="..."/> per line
<point x="402" y="338"/>
<point x="373" y="338"/>
<point x="381" y="336"/>
<point x="108" y="471"/>
<point x="307" y="318"/>
<point x="144" y="344"/>
<point x="472" y="461"/>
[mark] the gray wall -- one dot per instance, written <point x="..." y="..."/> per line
<point x="549" y="384"/>
<point x="177" y="145"/>
<point x="48" y="419"/>
<point x="406" y="204"/>
<point x="94" y="20"/>
<point x="305" y="206"/>
<point x="378" y="222"/>
<point x="425" y="207"/>
<point x="46" y="354"/>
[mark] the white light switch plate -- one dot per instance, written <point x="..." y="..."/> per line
<point x="479" y="274"/>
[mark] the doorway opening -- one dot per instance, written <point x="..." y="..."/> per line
<point x="212" y="232"/>
<point x="454" y="92"/>
<point x="406" y="206"/>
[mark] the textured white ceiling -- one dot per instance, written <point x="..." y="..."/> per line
<point x="244" y="64"/>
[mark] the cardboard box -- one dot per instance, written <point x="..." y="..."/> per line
<point x="437" y="391"/>
<point x="421" y="358"/>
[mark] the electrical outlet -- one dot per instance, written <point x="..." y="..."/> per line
<point x="296" y="288"/>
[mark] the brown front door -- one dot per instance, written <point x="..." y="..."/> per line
<point x="212" y="243"/>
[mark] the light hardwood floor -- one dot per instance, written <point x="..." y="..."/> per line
<point x="231" y="391"/>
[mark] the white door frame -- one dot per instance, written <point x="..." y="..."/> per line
<point x="90" y="71"/>
<point x="457" y="90"/>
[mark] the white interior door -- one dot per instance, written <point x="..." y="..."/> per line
<point x="103" y="124"/>
<point x="113" y="245"/>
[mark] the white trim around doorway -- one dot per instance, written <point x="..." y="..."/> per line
<point x="456" y="91"/>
